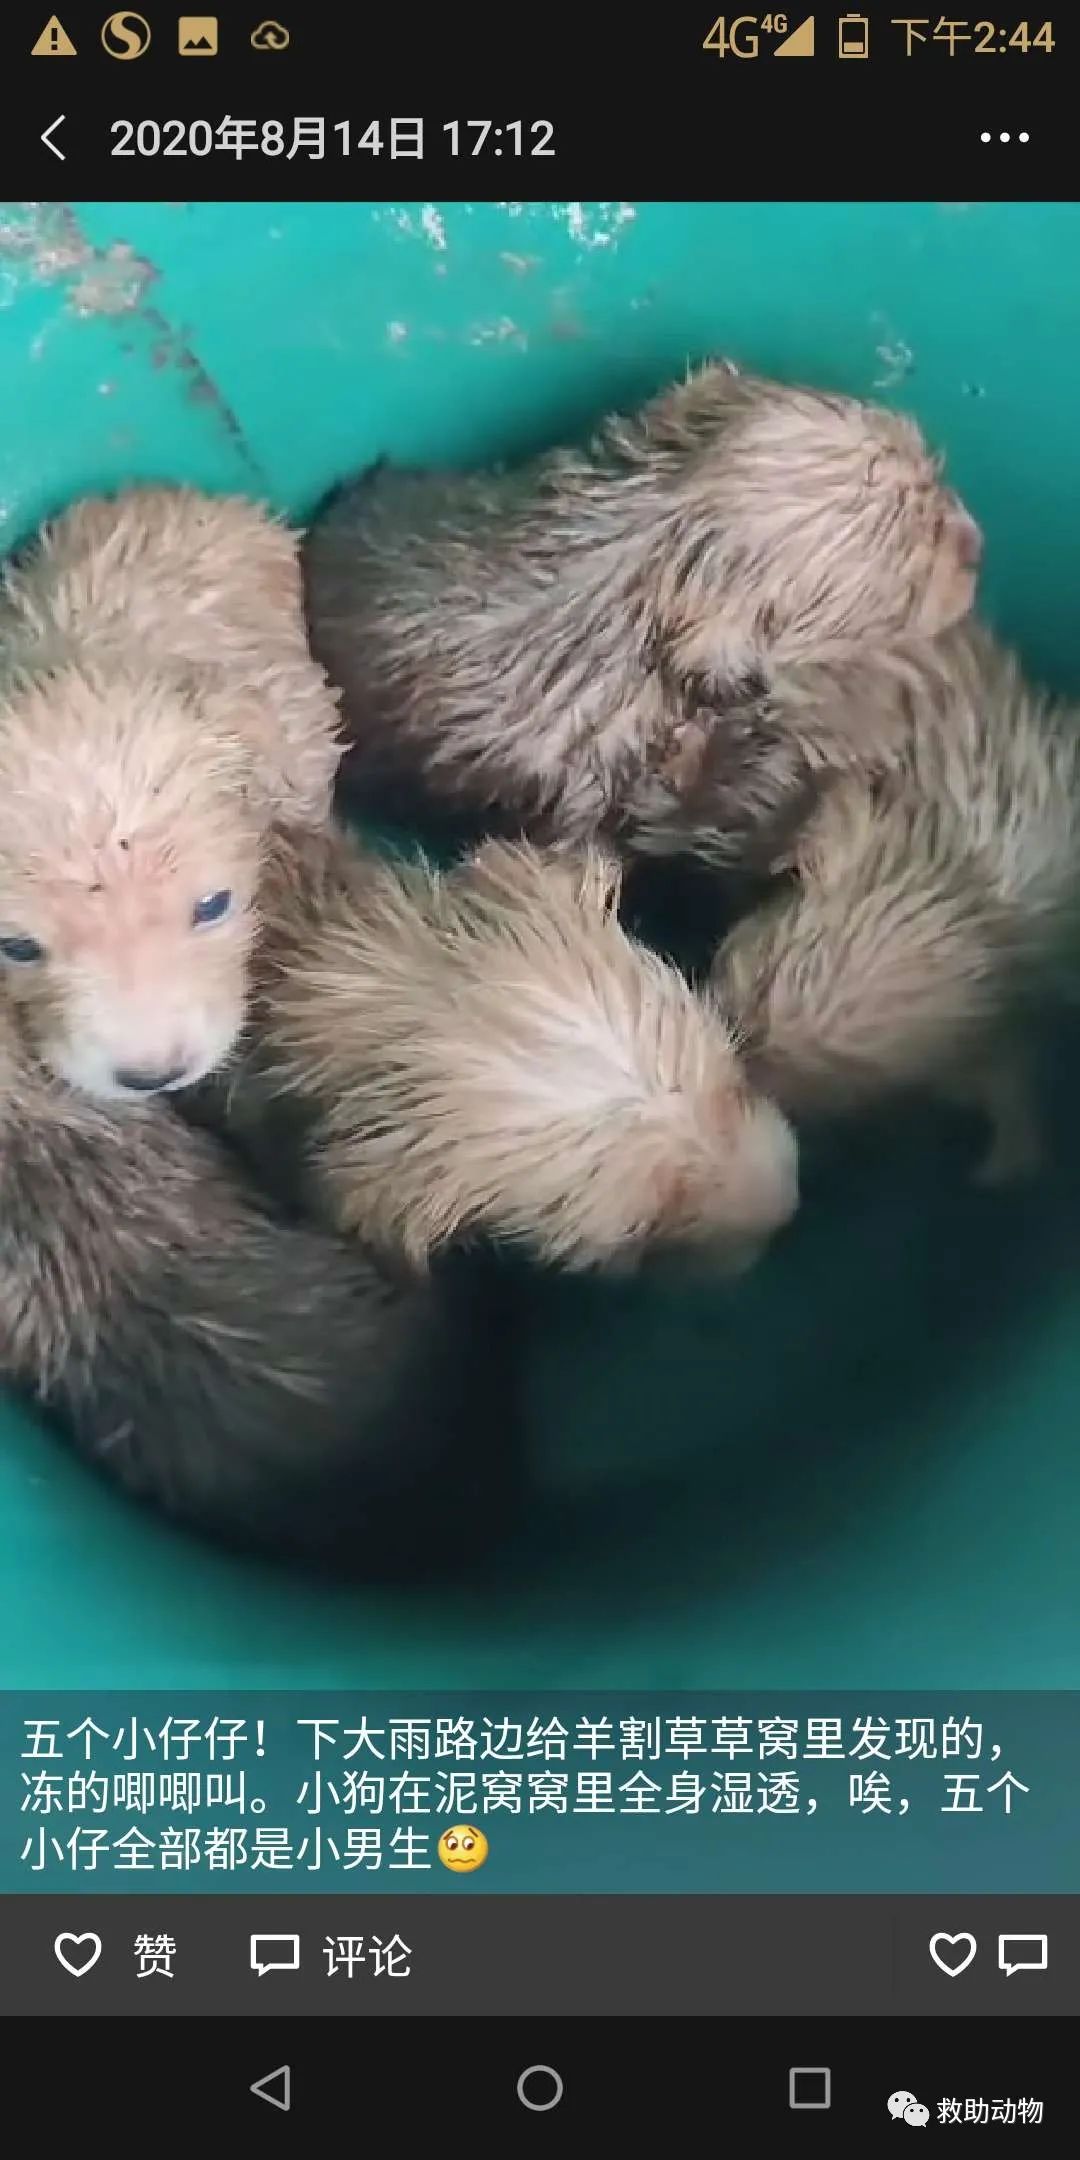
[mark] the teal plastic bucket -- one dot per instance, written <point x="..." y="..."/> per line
<point x="860" y="1469"/>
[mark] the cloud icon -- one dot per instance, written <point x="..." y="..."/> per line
<point x="270" y="37"/>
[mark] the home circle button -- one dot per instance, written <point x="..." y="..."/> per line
<point x="539" y="2088"/>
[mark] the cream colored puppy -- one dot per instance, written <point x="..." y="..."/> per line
<point x="933" y="914"/>
<point x="570" y="645"/>
<point x="158" y="711"/>
<point x="488" y="1051"/>
<point x="260" y="1380"/>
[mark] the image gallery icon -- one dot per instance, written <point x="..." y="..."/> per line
<point x="197" y="36"/>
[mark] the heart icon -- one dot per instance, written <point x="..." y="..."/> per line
<point x="87" y="1949"/>
<point x="952" y="1954"/>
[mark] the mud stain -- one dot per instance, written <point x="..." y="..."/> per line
<point x="43" y="244"/>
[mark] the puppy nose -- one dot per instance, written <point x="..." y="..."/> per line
<point x="142" y="1082"/>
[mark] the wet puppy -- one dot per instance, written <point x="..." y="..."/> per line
<point x="486" y="1051"/>
<point x="564" y="648"/>
<point x="260" y="1382"/>
<point x="158" y="710"/>
<point x="932" y="917"/>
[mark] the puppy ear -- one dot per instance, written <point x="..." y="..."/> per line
<point x="293" y="766"/>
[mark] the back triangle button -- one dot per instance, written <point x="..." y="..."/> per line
<point x="276" y="2087"/>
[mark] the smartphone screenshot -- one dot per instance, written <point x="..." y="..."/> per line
<point x="539" y="1184"/>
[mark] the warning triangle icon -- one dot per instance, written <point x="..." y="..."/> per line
<point x="54" y="42"/>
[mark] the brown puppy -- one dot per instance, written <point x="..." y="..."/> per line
<point x="263" y="1383"/>
<point x="932" y="914"/>
<point x="487" y="1051"/>
<point x="555" y="642"/>
<point x="158" y="710"/>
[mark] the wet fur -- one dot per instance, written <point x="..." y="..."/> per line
<point x="199" y="591"/>
<point x="933" y="915"/>
<point x="484" y="1052"/>
<point x="569" y="647"/>
<point x="263" y="1383"/>
<point x="159" y="709"/>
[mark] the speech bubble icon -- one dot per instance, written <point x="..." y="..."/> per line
<point x="917" y="2115"/>
<point x="1022" y="1953"/>
<point x="898" y="2102"/>
<point x="275" y="1953"/>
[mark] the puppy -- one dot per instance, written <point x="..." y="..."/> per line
<point x="486" y="1051"/>
<point x="261" y="1383"/>
<point x="158" y="710"/>
<point x="932" y="915"/>
<point x="546" y="647"/>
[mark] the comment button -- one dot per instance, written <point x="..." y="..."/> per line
<point x="1022" y="1953"/>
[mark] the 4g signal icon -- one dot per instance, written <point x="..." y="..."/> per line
<point x="740" y="39"/>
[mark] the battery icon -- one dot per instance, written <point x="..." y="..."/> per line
<point x="854" y="31"/>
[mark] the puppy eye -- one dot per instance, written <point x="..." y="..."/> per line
<point x="21" y="949"/>
<point x="211" y="908"/>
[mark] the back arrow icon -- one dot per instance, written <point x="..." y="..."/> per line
<point x="283" y="2080"/>
<point x="47" y="137"/>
